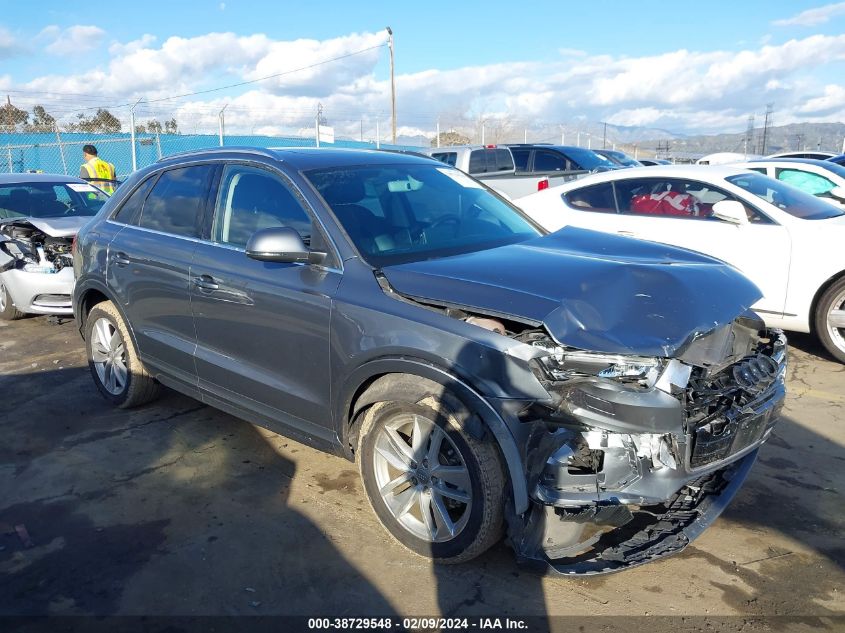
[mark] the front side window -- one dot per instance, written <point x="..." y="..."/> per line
<point x="50" y="200"/>
<point x="805" y="180"/>
<point x="674" y="197"/>
<point x="252" y="199"/>
<point x="404" y="213"/>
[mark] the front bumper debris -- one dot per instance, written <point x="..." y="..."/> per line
<point x="606" y="497"/>
<point x="653" y="532"/>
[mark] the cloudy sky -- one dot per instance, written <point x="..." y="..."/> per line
<point x="703" y="67"/>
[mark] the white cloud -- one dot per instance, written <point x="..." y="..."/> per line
<point x="692" y="91"/>
<point x="8" y="43"/>
<point x="814" y="17"/>
<point x="833" y="100"/>
<point x="72" y="40"/>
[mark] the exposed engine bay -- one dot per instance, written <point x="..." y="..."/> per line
<point x="32" y="249"/>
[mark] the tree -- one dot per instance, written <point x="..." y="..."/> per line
<point x="11" y="117"/>
<point x="451" y="138"/>
<point x="154" y="127"/>
<point x="170" y="127"/>
<point x="102" y="121"/>
<point x="140" y="129"/>
<point x="42" y="121"/>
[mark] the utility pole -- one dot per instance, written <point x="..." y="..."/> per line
<point x="482" y="132"/>
<point x="317" y="124"/>
<point x="749" y="134"/>
<point x="392" y="85"/>
<point x="438" y="132"/>
<point x="525" y="136"/>
<point x="378" y="132"/>
<point x="578" y="139"/>
<point x="766" y="123"/>
<point x="221" y="124"/>
<point x="362" y="129"/>
<point x="604" y="139"/>
<point x="132" y="134"/>
<point x="562" y="136"/>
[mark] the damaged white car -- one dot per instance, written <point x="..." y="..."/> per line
<point x="40" y="214"/>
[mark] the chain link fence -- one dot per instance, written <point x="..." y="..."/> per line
<point x="61" y="152"/>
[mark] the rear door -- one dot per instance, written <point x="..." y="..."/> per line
<point x="263" y="327"/>
<point x="148" y="263"/>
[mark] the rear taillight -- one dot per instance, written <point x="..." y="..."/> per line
<point x="543" y="184"/>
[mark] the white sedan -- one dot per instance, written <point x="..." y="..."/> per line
<point x="787" y="242"/>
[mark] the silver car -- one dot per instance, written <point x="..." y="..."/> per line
<point x="40" y="214"/>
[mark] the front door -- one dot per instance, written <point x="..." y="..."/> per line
<point x="262" y="327"/>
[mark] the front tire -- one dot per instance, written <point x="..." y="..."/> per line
<point x="8" y="311"/>
<point x="113" y="360"/>
<point x="436" y="489"/>
<point x="830" y="320"/>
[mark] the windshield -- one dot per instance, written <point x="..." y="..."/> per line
<point x="49" y="200"/>
<point x="403" y="213"/>
<point x="785" y="197"/>
<point x="588" y="159"/>
<point x="621" y="159"/>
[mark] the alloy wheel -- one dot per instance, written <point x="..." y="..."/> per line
<point x="836" y="321"/>
<point x="422" y="477"/>
<point x="108" y="353"/>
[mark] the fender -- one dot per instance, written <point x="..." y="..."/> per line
<point x="80" y="291"/>
<point x="470" y="398"/>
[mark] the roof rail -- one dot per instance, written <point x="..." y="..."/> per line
<point x="237" y="149"/>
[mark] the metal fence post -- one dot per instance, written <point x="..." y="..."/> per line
<point x="61" y="148"/>
<point x="158" y="144"/>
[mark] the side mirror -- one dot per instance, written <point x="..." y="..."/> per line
<point x="281" y="244"/>
<point x="838" y="193"/>
<point x="730" y="211"/>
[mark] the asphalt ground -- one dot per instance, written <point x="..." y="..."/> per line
<point x="177" y="509"/>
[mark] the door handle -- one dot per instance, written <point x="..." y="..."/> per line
<point x="121" y="259"/>
<point x="205" y="282"/>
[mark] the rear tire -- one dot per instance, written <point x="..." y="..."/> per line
<point x="448" y="504"/>
<point x="113" y="360"/>
<point x="830" y="313"/>
<point x="8" y="311"/>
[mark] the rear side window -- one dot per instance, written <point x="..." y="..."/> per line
<point x="450" y="158"/>
<point x="596" y="198"/>
<point x="175" y="204"/>
<point x="503" y="160"/>
<point x="477" y="161"/>
<point x="130" y="211"/>
<point x="549" y="161"/>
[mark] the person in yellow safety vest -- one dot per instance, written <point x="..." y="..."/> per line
<point x="96" y="170"/>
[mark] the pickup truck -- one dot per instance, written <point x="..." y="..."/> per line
<point x="494" y="166"/>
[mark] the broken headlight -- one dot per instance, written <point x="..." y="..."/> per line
<point x="563" y="364"/>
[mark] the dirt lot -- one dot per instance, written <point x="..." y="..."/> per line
<point x="176" y="508"/>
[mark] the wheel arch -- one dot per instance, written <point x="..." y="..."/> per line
<point x="89" y="296"/>
<point x="819" y="294"/>
<point x="410" y="380"/>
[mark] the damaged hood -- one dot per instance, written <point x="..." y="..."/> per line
<point x="591" y="290"/>
<point x="54" y="227"/>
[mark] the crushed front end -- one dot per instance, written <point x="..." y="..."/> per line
<point x="37" y="268"/>
<point x="634" y="456"/>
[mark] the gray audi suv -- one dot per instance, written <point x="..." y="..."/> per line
<point x="596" y="399"/>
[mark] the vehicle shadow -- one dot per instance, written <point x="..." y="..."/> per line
<point x="172" y="508"/>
